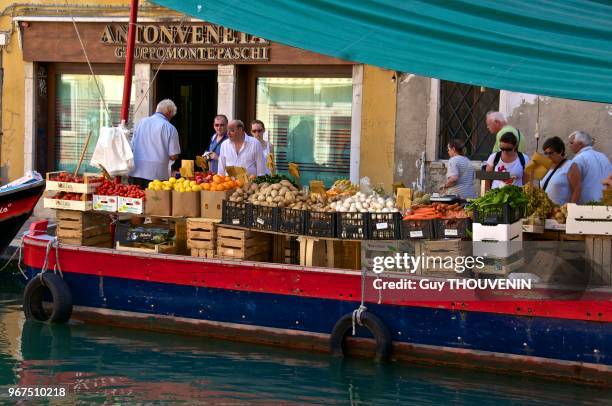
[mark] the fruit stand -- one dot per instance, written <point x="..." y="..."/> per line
<point x="215" y="216"/>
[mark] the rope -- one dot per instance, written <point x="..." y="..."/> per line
<point x="89" y="64"/>
<point x="17" y="251"/>
<point x="57" y="266"/>
<point x="46" y="263"/>
<point x="357" y="312"/>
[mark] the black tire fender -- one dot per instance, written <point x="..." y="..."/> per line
<point x="60" y="293"/>
<point x="370" y="321"/>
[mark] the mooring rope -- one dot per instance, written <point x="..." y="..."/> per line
<point x="357" y="312"/>
<point x="17" y="252"/>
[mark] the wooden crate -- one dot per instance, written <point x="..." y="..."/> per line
<point x="285" y="249"/>
<point x="202" y="253"/>
<point x="242" y="244"/>
<point x="435" y="253"/>
<point x="201" y="234"/>
<point x="328" y="253"/>
<point x="385" y="248"/>
<point x="83" y="228"/>
<point x="502" y="267"/>
<point x="147" y="248"/>
<point x="599" y="259"/>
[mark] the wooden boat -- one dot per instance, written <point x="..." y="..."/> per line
<point x="16" y="206"/>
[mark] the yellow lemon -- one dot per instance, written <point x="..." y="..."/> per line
<point x="172" y="180"/>
<point x="195" y="188"/>
<point x="151" y="184"/>
<point x="167" y="188"/>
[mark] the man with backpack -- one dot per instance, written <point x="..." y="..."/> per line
<point x="508" y="159"/>
<point x="497" y="124"/>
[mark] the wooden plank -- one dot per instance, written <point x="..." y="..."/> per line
<point x="201" y="235"/>
<point x="201" y="244"/>
<point x="165" y="248"/>
<point x="236" y="233"/>
<point x="82" y="233"/>
<point x="87" y="241"/>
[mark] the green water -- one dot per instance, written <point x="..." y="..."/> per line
<point x="120" y="366"/>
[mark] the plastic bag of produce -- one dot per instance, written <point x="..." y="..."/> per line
<point x="113" y="151"/>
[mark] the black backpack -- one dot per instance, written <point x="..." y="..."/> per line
<point x="521" y="158"/>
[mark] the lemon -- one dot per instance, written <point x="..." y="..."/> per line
<point x="167" y="188"/>
<point x="151" y="184"/>
<point x="195" y="188"/>
<point x="172" y="180"/>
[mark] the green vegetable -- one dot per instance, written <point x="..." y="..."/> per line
<point x="495" y="199"/>
<point x="273" y="179"/>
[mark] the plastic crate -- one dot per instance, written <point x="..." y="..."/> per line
<point x="454" y="228"/>
<point x="384" y="226"/>
<point x="320" y="224"/>
<point x="236" y="214"/>
<point x="352" y="226"/>
<point x="264" y="218"/>
<point x="418" y="229"/>
<point x="499" y="214"/>
<point x="291" y="221"/>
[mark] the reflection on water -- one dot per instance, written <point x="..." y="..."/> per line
<point x="101" y="364"/>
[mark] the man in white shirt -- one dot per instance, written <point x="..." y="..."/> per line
<point x="155" y="144"/>
<point x="593" y="166"/>
<point x="241" y="150"/>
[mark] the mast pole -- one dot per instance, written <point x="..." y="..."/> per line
<point x="129" y="63"/>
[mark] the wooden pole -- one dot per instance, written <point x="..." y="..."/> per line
<point x="76" y="171"/>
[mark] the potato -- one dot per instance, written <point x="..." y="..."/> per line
<point x="261" y="197"/>
<point x="276" y="186"/>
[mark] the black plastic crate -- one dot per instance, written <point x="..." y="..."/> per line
<point x="320" y="224"/>
<point x="236" y="214"/>
<point x="418" y="229"/>
<point x="384" y="226"/>
<point x="291" y="221"/>
<point x="454" y="228"/>
<point x="499" y="214"/>
<point x="264" y="218"/>
<point x="352" y="226"/>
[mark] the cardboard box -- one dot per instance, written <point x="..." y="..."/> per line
<point x="185" y="204"/>
<point x="158" y="202"/>
<point x="582" y="219"/>
<point x="130" y="205"/>
<point x="211" y="203"/>
<point x="105" y="203"/>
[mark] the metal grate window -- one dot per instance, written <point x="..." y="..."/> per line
<point x="463" y="110"/>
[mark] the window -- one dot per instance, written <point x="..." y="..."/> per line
<point x="78" y="110"/>
<point x="309" y="122"/>
<point x="463" y="110"/>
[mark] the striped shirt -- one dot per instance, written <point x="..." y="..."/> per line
<point x="461" y="167"/>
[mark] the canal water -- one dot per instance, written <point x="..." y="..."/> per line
<point x="97" y="364"/>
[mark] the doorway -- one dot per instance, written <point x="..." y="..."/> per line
<point x="195" y="96"/>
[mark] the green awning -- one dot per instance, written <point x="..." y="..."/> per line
<point x="545" y="47"/>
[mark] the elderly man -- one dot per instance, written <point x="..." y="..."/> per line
<point x="155" y="143"/>
<point x="497" y="124"/>
<point x="241" y="150"/>
<point x="218" y="138"/>
<point x="593" y="166"/>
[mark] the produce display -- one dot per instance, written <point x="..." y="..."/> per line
<point x="281" y="194"/>
<point x="108" y="188"/>
<point x="272" y="179"/>
<point x="538" y="204"/>
<point x="559" y="213"/>
<point x="493" y="201"/>
<point x="66" y="177"/>
<point x="72" y="196"/>
<point x="436" y="211"/>
<point x="208" y="182"/>
<point x="360" y="202"/>
<point x="343" y="187"/>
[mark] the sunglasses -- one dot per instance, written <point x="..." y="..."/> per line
<point x="257" y="131"/>
<point x="507" y="149"/>
<point x="220" y="125"/>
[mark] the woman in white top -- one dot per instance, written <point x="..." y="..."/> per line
<point x="460" y="173"/>
<point x="508" y="159"/>
<point x="257" y="130"/>
<point x="563" y="177"/>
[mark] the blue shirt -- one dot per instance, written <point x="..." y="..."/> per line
<point x="155" y="140"/>
<point x="594" y="167"/>
<point x="215" y="147"/>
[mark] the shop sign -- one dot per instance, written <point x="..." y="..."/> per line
<point x="203" y="42"/>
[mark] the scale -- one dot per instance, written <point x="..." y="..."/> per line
<point x="435" y="198"/>
<point x="483" y="176"/>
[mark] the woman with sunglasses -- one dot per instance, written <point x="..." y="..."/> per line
<point x="508" y="160"/>
<point x="563" y="179"/>
<point x="258" y="130"/>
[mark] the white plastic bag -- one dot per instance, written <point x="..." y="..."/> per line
<point x="113" y="151"/>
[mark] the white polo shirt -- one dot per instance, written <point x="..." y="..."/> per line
<point x="249" y="157"/>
